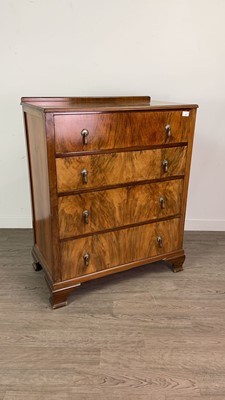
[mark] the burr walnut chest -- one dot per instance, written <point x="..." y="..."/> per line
<point x="109" y="179"/>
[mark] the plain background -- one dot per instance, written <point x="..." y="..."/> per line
<point x="171" y="50"/>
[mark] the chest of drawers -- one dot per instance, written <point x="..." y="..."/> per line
<point x="109" y="180"/>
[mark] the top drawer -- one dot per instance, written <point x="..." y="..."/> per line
<point x="88" y="132"/>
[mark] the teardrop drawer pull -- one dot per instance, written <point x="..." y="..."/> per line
<point x="84" y="174"/>
<point x="160" y="241"/>
<point x="85" y="216"/>
<point x="162" y="202"/>
<point x="168" y="130"/>
<point x="165" y="165"/>
<point x="86" y="258"/>
<point x="84" y="133"/>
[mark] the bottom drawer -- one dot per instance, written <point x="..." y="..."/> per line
<point x="120" y="247"/>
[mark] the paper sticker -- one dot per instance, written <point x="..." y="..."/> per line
<point x="185" y="113"/>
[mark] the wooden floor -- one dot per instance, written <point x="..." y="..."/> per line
<point x="145" y="334"/>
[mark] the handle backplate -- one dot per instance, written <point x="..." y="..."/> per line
<point x="85" y="216"/>
<point x="84" y="133"/>
<point x="84" y="174"/>
<point x="162" y="202"/>
<point x="160" y="241"/>
<point x="168" y="130"/>
<point x="86" y="258"/>
<point x="165" y="165"/>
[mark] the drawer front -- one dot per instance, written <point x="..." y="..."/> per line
<point x="120" y="247"/>
<point x="85" y="213"/>
<point x="94" y="171"/>
<point x="120" y="130"/>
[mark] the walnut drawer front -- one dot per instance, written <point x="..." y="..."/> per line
<point x="87" y="132"/>
<point x="119" y="168"/>
<point x="107" y="250"/>
<point x="90" y="212"/>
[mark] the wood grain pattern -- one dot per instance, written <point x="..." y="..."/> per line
<point x="49" y="126"/>
<point x="80" y="396"/>
<point x="73" y="282"/>
<point x="117" y="168"/>
<point x="118" y="247"/>
<point x="103" y="104"/>
<point x="37" y="155"/>
<point x="120" y="130"/>
<point x="118" y="207"/>
<point x="187" y="171"/>
<point x="125" y="156"/>
<point x="83" y="101"/>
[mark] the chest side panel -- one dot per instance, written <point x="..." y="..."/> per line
<point x="38" y="163"/>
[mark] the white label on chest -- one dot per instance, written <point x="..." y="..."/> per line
<point x="185" y="113"/>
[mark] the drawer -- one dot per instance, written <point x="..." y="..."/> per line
<point x="84" y="172"/>
<point x="85" y="213"/>
<point x="120" y="130"/>
<point x="108" y="250"/>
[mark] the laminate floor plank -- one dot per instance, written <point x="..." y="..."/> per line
<point x="15" y="395"/>
<point x="74" y="396"/>
<point x="202" y="397"/>
<point x="145" y="334"/>
<point x="47" y="358"/>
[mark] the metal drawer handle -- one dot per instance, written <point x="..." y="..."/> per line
<point x="162" y="202"/>
<point x="84" y="174"/>
<point x="168" y="130"/>
<point x="85" y="216"/>
<point x="86" y="258"/>
<point x="165" y="165"/>
<point x="84" y="133"/>
<point x="160" y="241"/>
